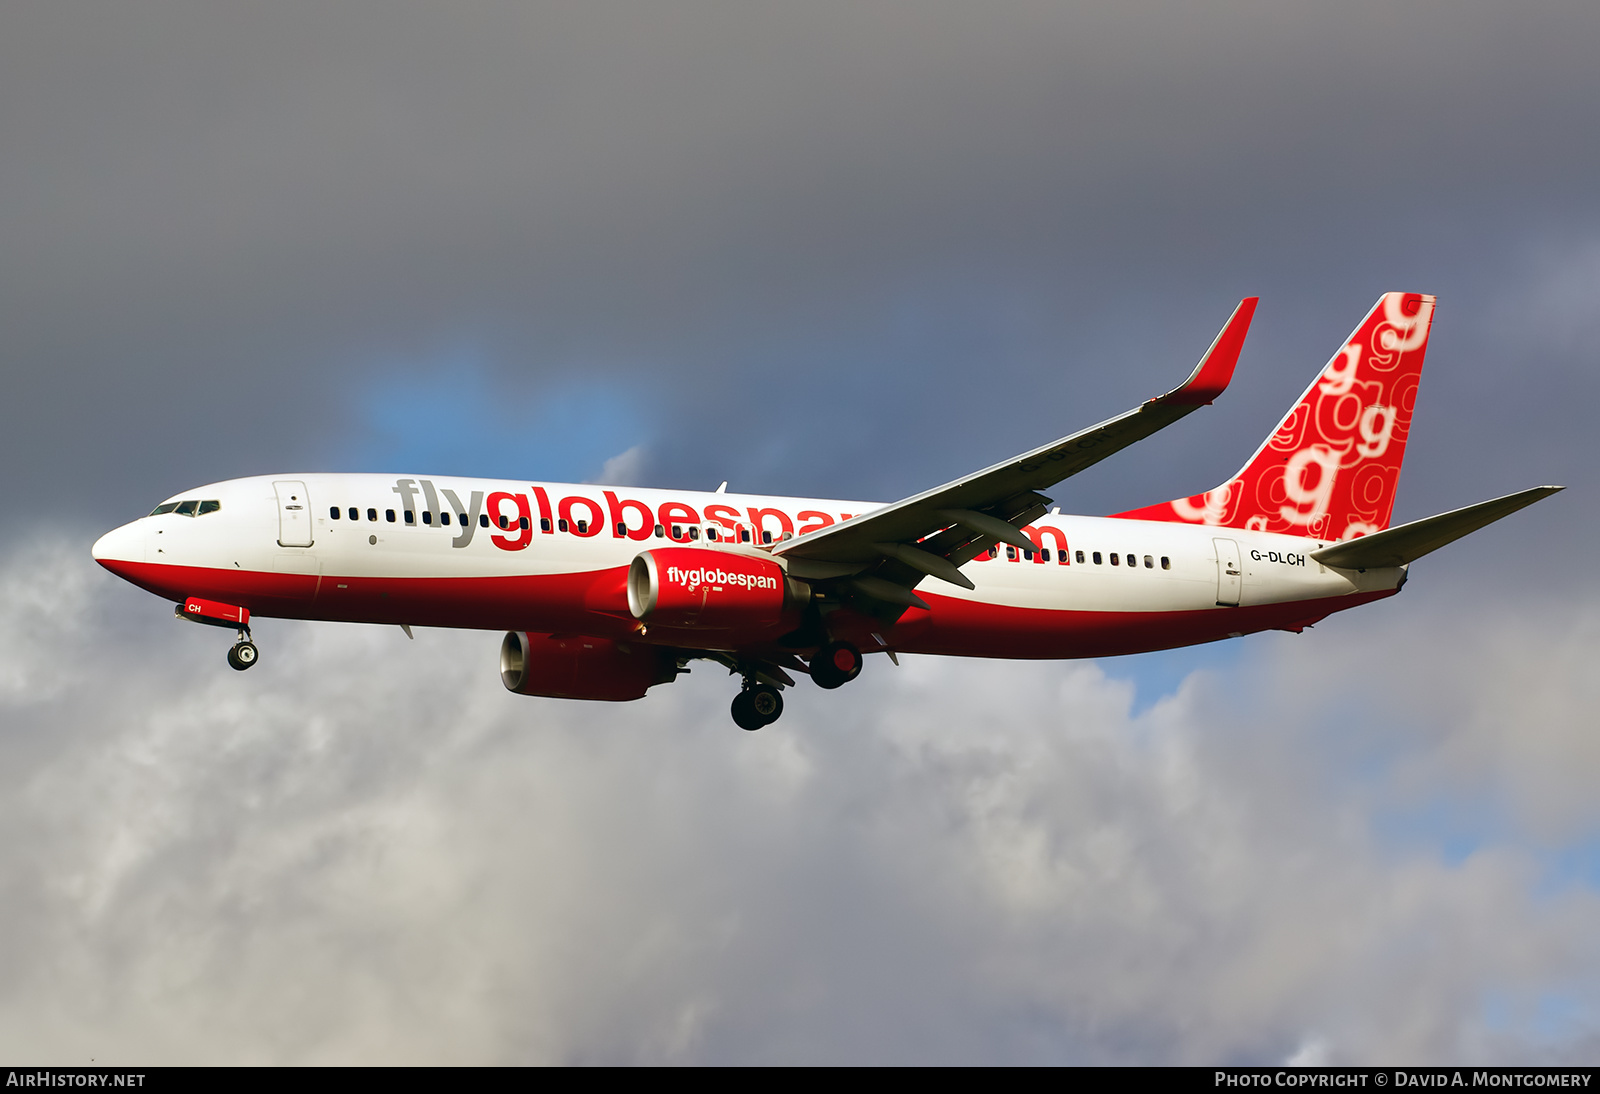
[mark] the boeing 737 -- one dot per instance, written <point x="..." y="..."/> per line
<point x="607" y="592"/>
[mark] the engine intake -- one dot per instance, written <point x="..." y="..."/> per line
<point x="709" y="589"/>
<point x="574" y="666"/>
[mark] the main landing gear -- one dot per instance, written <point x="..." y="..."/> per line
<point x="756" y="706"/>
<point x="244" y="652"/>
<point x="835" y="664"/>
<point x="760" y="702"/>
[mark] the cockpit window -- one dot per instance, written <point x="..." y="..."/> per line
<point x="189" y="507"/>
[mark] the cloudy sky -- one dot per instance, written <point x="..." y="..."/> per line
<point x="848" y="250"/>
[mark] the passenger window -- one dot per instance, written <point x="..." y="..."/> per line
<point x="994" y="552"/>
<point x="163" y="509"/>
<point x="1149" y="563"/>
<point x="1114" y="558"/>
<point x="522" y="522"/>
<point x="1011" y="554"/>
<point x="1166" y="563"/>
<point x="622" y="528"/>
<point x="372" y="514"/>
<point x="711" y="534"/>
<point x="388" y="515"/>
<point x="427" y="517"/>
<point x="209" y="507"/>
<point x="505" y="522"/>
<point x="677" y="531"/>
<point x="483" y="520"/>
<point x="411" y="516"/>
<point x="462" y="519"/>
<point x="355" y="514"/>
<point x="744" y="535"/>
<point x="583" y="527"/>
<point x="1097" y="558"/>
<point x="333" y="511"/>
<point x="1080" y="558"/>
<point x="544" y="524"/>
<point x="694" y="533"/>
<point x="1044" y="554"/>
<point x="1028" y="555"/>
<point x="660" y="531"/>
<point x="562" y="524"/>
<point x="766" y="537"/>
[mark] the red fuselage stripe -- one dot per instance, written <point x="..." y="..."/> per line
<point x="595" y="602"/>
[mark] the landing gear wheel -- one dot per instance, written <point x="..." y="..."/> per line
<point x="835" y="664"/>
<point x="756" y="707"/>
<point x="243" y="655"/>
<point x="767" y="703"/>
<point x="744" y="713"/>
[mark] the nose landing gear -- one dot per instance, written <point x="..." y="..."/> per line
<point x="244" y="652"/>
<point x="215" y="614"/>
<point x="756" y="706"/>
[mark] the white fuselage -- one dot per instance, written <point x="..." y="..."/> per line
<point x="1096" y="585"/>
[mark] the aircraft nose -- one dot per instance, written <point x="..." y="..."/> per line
<point x="118" y="545"/>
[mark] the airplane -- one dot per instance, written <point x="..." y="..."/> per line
<point x="606" y="592"/>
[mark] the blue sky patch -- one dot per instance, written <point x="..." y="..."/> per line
<point x="459" y="419"/>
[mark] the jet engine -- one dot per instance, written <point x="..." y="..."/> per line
<point x="711" y="590"/>
<point x="574" y="666"/>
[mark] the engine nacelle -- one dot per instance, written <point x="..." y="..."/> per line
<point x="575" y="666"/>
<point x="710" y="590"/>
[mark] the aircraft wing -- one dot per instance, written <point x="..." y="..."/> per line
<point x="885" y="553"/>
<point x="1408" y="542"/>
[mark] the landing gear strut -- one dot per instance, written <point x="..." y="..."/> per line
<point x="244" y="652"/>
<point x="835" y="664"/>
<point x="756" y="706"/>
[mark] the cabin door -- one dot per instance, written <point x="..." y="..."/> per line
<point x="294" y="514"/>
<point x="1229" y="573"/>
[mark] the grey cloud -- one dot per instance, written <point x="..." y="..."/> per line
<point x="834" y="230"/>
<point x="364" y="849"/>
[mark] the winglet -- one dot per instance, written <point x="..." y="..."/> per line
<point x="1211" y="376"/>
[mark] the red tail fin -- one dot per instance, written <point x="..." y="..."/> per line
<point x="1331" y="467"/>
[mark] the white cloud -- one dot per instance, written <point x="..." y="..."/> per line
<point x="364" y="849"/>
<point x="624" y="469"/>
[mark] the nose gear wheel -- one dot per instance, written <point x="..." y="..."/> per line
<point x="243" y="654"/>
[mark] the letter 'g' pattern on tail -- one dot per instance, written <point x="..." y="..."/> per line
<point x="1330" y="469"/>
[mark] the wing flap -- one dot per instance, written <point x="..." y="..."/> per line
<point x="1409" y="542"/>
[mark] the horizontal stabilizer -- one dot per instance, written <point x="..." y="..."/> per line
<point x="1408" y="542"/>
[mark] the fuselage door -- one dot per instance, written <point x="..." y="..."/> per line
<point x="1229" y="573"/>
<point x="294" y="514"/>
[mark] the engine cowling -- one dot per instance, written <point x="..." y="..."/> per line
<point x="710" y="590"/>
<point x="573" y="666"/>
